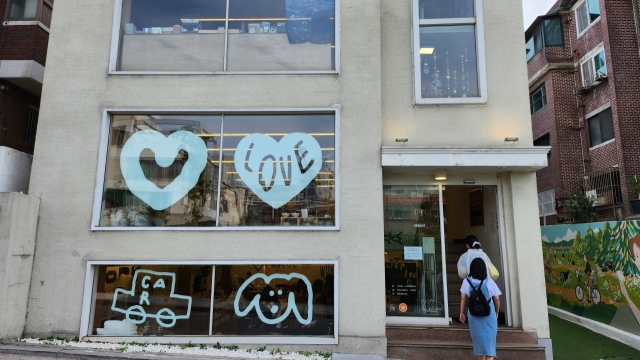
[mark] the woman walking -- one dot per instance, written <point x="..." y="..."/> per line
<point x="474" y="250"/>
<point x="484" y="329"/>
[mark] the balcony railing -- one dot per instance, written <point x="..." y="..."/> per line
<point x="604" y="186"/>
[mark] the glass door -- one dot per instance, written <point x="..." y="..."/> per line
<point x="413" y="252"/>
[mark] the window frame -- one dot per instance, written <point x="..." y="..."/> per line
<point x="597" y="115"/>
<point x="103" y="152"/>
<point x="90" y="283"/>
<point x="590" y="58"/>
<point x="116" y="41"/>
<point x="481" y="68"/>
<point x="543" y="43"/>
<point x="553" y="202"/>
<point x="542" y="88"/>
<point x="575" y="15"/>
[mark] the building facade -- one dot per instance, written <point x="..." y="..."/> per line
<point x="284" y="173"/>
<point x="582" y="71"/>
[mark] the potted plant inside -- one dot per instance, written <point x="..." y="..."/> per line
<point x="634" y="188"/>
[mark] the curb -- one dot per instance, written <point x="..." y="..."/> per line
<point x="54" y="351"/>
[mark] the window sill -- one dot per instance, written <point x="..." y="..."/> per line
<point x="602" y="144"/>
<point x="452" y="101"/>
<point x="220" y="228"/>
<point x="155" y="73"/>
<point x="26" y="23"/>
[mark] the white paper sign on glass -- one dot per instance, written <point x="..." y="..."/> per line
<point x="165" y="316"/>
<point x="165" y="149"/>
<point x="413" y="253"/>
<point x="277" y="171"/>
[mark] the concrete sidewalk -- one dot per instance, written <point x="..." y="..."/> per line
<point x="21" y="351"/>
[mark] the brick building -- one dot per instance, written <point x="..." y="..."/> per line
<point x="23" y="50"/>
<point x="583" y="64"/>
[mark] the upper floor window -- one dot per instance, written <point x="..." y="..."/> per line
<point x="208" y="36"/>
<point x="544" y="140"/>
<point x="547" y="202"/>
<point x="39" y="10"/>
<point x="593" y="68"/>
<point x="538" y="99"/>
<point x="586" y="14"/>
<point x="548" y="32"/>
<point x="601" y="128"/>
<point x="449" y="52"/>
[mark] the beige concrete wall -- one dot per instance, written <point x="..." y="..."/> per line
<point x="77" y="89"/>
<point x="505" y="114"/>
<point x="18" y="222"/>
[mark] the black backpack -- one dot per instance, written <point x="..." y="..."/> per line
<point x="478" y="304"/>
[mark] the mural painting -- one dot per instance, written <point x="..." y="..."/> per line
<point x="593" y="270"/>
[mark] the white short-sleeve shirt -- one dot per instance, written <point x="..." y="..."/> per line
<point x="492" y="287"/>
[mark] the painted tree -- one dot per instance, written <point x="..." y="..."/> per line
<point x="607" y="245"/>
<point x="592" y="243"/>
<point x="578" y="244"/>
<point x="623" y="259"/>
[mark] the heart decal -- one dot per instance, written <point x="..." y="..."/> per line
<point x="166" y="149"/>
<point x="278" y="171"/>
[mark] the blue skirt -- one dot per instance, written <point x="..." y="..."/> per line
<point x="484" y="330"/>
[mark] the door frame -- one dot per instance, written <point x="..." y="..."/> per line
<point x="412" y="179"/>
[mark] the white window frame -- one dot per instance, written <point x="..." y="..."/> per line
<point x="90" y="284"/>
<point x="104" y="152"/>
<point x="590" y="57"/>
<point x="575" y="16"/>
<point x="478" y="22"/>
<point x="553" y="202"/>
<point x="115" y="47"/>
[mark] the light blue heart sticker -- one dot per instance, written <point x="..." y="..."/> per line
<point x="166" y="149"/>
<point x="278" y="171"/>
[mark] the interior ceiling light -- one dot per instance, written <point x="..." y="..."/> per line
<point x="441" y="175"/>
<point x="426" y="51"/>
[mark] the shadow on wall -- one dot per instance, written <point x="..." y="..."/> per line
<point x="593" y="270"/>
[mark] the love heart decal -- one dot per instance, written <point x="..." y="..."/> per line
<point x="278" y="171"/>
<point x="166" y="149"/>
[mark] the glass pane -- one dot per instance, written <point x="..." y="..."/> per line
<point x="537" y="36"/>
<point x="448" y="61"/>
<point x="152" y="300"/>
<point x="154" y="181"/>
<point x="287" y="171"/>
<point x="413" y="252"/>
<point x="553" y="32"/>
<point x="582" y="14"/>
<point x="600" y="64"/>
<point x="172" y="35"/>
<point x="588" y="76"/>
<point x="594" y="131"/>
<point x="606" y="125"/>
<point x="279" y="35"/>
<point x="531" y="52"/>
<point x="442" y="9"/>
<point x="288" y="300"/>
<point x="594" y="9"/>
<point x="23" y="9"/>
<point x="548" y="209"/>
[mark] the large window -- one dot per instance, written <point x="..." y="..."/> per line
<point x="538" y="99"/>
<point x="165" y="301"/>
<point x="586" y="14"/>
<point x="601" y="128"/>
<point x="593" y="68"/>
<point x="449" y="56"/>
<point x="209" y="36"/>
<point x="165" y="170"/>
<point x="548" y="32"/>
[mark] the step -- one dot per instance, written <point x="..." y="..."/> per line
<point x="450" y="350"/>
<point x="459" y="332"/>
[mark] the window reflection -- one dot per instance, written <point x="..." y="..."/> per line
<point x="279" y="35"/>
<point x="168" y="35"/>
<point x="121" y="208"/>
<point x="314" y="206"/>
<point x="448" y="62"/>
<point x="442" y="9"/>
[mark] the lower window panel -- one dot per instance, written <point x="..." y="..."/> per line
<point x="207" y="300"/>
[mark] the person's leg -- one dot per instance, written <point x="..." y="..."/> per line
<point x="481" y="357"/>
<point x="488" y="358"/>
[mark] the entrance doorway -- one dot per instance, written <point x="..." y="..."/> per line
<point x="425" y="227"/>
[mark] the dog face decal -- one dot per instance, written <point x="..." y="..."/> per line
<point x="255" y="303"/>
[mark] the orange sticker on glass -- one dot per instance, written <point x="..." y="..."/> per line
<point x="402" y="307"/>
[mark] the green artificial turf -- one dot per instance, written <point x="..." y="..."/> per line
<point x="574" y="342"/>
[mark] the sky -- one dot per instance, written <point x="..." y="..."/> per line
<point x="534" y="8"/>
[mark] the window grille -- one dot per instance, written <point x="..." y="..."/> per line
<point x="604" y="186"/>
<point x="32" y="125"/>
